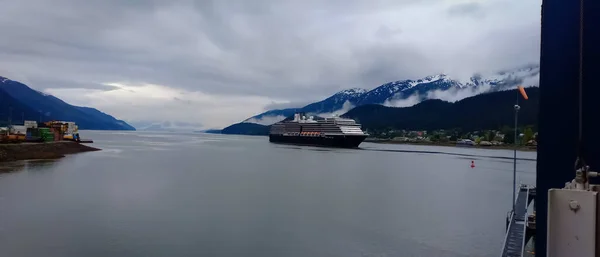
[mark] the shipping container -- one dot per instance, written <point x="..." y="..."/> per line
<point x="71" y="128"/>
<point x="35" y="132"/>
<point x="33" y="139"/>
<point x="30" y="124"/>
<point x="18" y="130"/>
<point x="58" y="136"/>
<point x="44" y="131"/>
<point x="13" y="138"/>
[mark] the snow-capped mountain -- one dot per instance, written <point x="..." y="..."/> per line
<point x="404" y="89"/>
<point x="345" y="99"/>
<point x="525" y="76"/>
<point x="404" y="93"/>
<point x="338" y="103"/>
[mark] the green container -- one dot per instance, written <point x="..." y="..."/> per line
<point x="46" y="134"/>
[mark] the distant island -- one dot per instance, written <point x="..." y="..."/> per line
<point x="247" y="129"/>
<point x="210" y="131"/>
<point x="18" y="102"/>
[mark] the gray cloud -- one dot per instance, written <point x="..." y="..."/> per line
<point x="277" y="106"/>
<point x="467" y="9"/>
<point x="277" y="50"/>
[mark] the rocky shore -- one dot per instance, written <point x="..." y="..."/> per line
<point x="50" y="150"/>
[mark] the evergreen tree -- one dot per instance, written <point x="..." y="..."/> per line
<point x="509" y="137"/>
<point x="528" y="135"/>
<point x="491" y="136"/>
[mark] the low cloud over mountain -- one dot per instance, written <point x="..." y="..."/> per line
<point x="405" y="93"/>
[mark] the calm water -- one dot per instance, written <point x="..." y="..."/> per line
<point x="153" y="194"/>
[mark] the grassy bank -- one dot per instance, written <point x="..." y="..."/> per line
<point x="31" y="151"/>
<point x="451" y="144"/>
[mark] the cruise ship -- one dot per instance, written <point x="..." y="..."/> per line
<point x="333" y="132"/>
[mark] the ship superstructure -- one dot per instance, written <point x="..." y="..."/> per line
<point x="335" y="131"/>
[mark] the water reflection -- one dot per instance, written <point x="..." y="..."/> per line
<point x="30" y="165"/>
<point x="245" y="196"/>
<point x="447" y="153"/>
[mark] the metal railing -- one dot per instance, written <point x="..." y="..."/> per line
<point x="515" y="238"/>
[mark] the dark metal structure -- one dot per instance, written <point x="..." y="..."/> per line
<point x="570" y="50"/>
<point x="516" y="231"/>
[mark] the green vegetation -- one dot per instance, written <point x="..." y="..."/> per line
<point x="484" y="137"/>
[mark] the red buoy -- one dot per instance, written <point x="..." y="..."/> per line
<point x="472" y="164"/>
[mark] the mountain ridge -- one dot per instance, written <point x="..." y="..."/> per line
<point x="30" y="104"/>
<point x="244" y="128"/>
<point x="272" y="116"/>
<point x="402" y="93"/>
<point x="166" y="125"/>
<point x="491" y="110"/>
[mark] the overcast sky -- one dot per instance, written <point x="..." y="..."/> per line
<point x="219" y="62"/>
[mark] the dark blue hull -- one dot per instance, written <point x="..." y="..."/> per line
<point x="343" y="141"/>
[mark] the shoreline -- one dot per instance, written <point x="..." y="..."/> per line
<point x="496" y="147"/>
<point x="41" y="151"/>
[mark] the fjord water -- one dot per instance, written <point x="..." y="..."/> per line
<point x="169" y="194"/>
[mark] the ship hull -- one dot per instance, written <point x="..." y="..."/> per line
<point x="343" y="141"/>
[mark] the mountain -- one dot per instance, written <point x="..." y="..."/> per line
<point x="210" y="131"/>
<point x="9" y="105"/>
<point x="527" y="75"/>
<point x="104" y="117"/>
<point x="403" y="93"/>
<point x="172" y="126"/>
<point x="343" y="100"/>
<point x="272" y="116"/>
<point x="247" y="129"/>
<point x="492" y="110"/>
<point x="35" y="105"/>
<point x="339" y="102"/>
<point x="485" y="111"/>
<point x="405" y="88"/>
